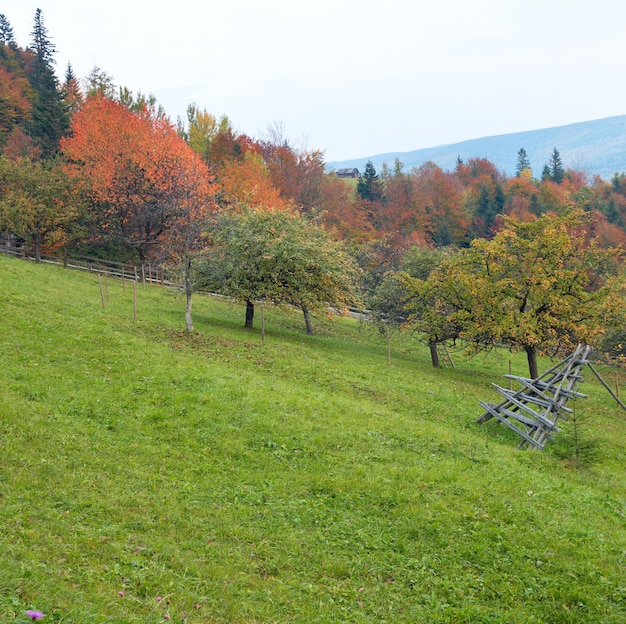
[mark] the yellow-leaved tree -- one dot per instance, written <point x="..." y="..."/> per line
<point x="539" y="286"/>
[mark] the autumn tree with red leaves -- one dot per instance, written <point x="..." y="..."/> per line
<point x="136" y="171"/>
<point x="438" y="195"/>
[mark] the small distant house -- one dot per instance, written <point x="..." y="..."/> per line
<point x="351" y="172"/>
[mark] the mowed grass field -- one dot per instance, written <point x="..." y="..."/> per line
<point x="149" y="475"/>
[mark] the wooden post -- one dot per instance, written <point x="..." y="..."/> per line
<point x="134" y="300"/>
<point x="617" y="384"/>
<point x="597" y="374"/>
<point x="262" y="323"/>
<point x="510" y="373"/>
<point x="123" y="281"/>
<point x="106" y="285"/>
<point x="101" y="291"/>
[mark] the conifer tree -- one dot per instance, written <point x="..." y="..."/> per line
<point x="6" y="32"/>
<point x="369" y="187"/>
<point x="12" y="57"/>
<point x="557" y="172"/>
<point x="523" y="162"/>
<point x="576" y="442"/>
<point x="50" y="119"/>
<point x="71" y="90"/>
<point x="490" y="204"/>
<point x="534" y="206"/>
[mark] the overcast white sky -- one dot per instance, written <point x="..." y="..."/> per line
<point x="353" y="78"/>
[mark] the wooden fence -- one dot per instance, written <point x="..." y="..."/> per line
<point x="144" y="273"/>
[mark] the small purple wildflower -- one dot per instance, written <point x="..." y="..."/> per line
<point x="34" y="615"/>
<point x="120" y="594"/>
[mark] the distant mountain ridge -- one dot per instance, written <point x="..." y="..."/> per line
<point x="596" y="147"/>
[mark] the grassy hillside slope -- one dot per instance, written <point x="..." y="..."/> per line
<point x="148" y="475"/>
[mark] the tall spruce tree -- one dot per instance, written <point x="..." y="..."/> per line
<point x="11" y="57"/>
<point x="523" y="162"/>
<point x="50" y="118"/>
<point x="369" y="187"/>
<point x="490" y="205"/>
<point x="555" y="165"/>
<point x="6" y="32"/>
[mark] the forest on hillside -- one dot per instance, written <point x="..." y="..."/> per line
<point x="91" y="165"/>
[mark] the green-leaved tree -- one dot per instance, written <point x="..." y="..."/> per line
<point x="280" y="257"/>
<point x="37" y="203"/>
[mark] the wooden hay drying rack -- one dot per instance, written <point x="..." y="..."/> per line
<point x="534" y="410"/>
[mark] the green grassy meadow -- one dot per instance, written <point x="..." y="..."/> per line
<point x="149" y="475"/>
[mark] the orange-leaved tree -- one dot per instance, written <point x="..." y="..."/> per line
<point x="135" y="169"/>
<point x="438" y="195"/>
<point x="15" y="106"/>
<point x="246" y="183"/>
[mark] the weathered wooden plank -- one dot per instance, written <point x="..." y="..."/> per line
<point x="539" y="387"/>
<point x="524" y="380"/>
<point x="483" y="418"/>
<point x="570" y="394"/>
<point x="568" y="371"/>
<point x="512" y="414"/>
<point x="597" y="374"/>
<point x="494" y="412"/>
<point x="523" y="419"/>
<point x="540" y="399"/>
<point x="542" y="418"/>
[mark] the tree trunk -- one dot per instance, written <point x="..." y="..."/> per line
<point x="434" y="354"/>
<point x="188" y="292"/>
<point x="307" y="321"/>
<point x="249" y="314"/>
<point x="531" y="355"/>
